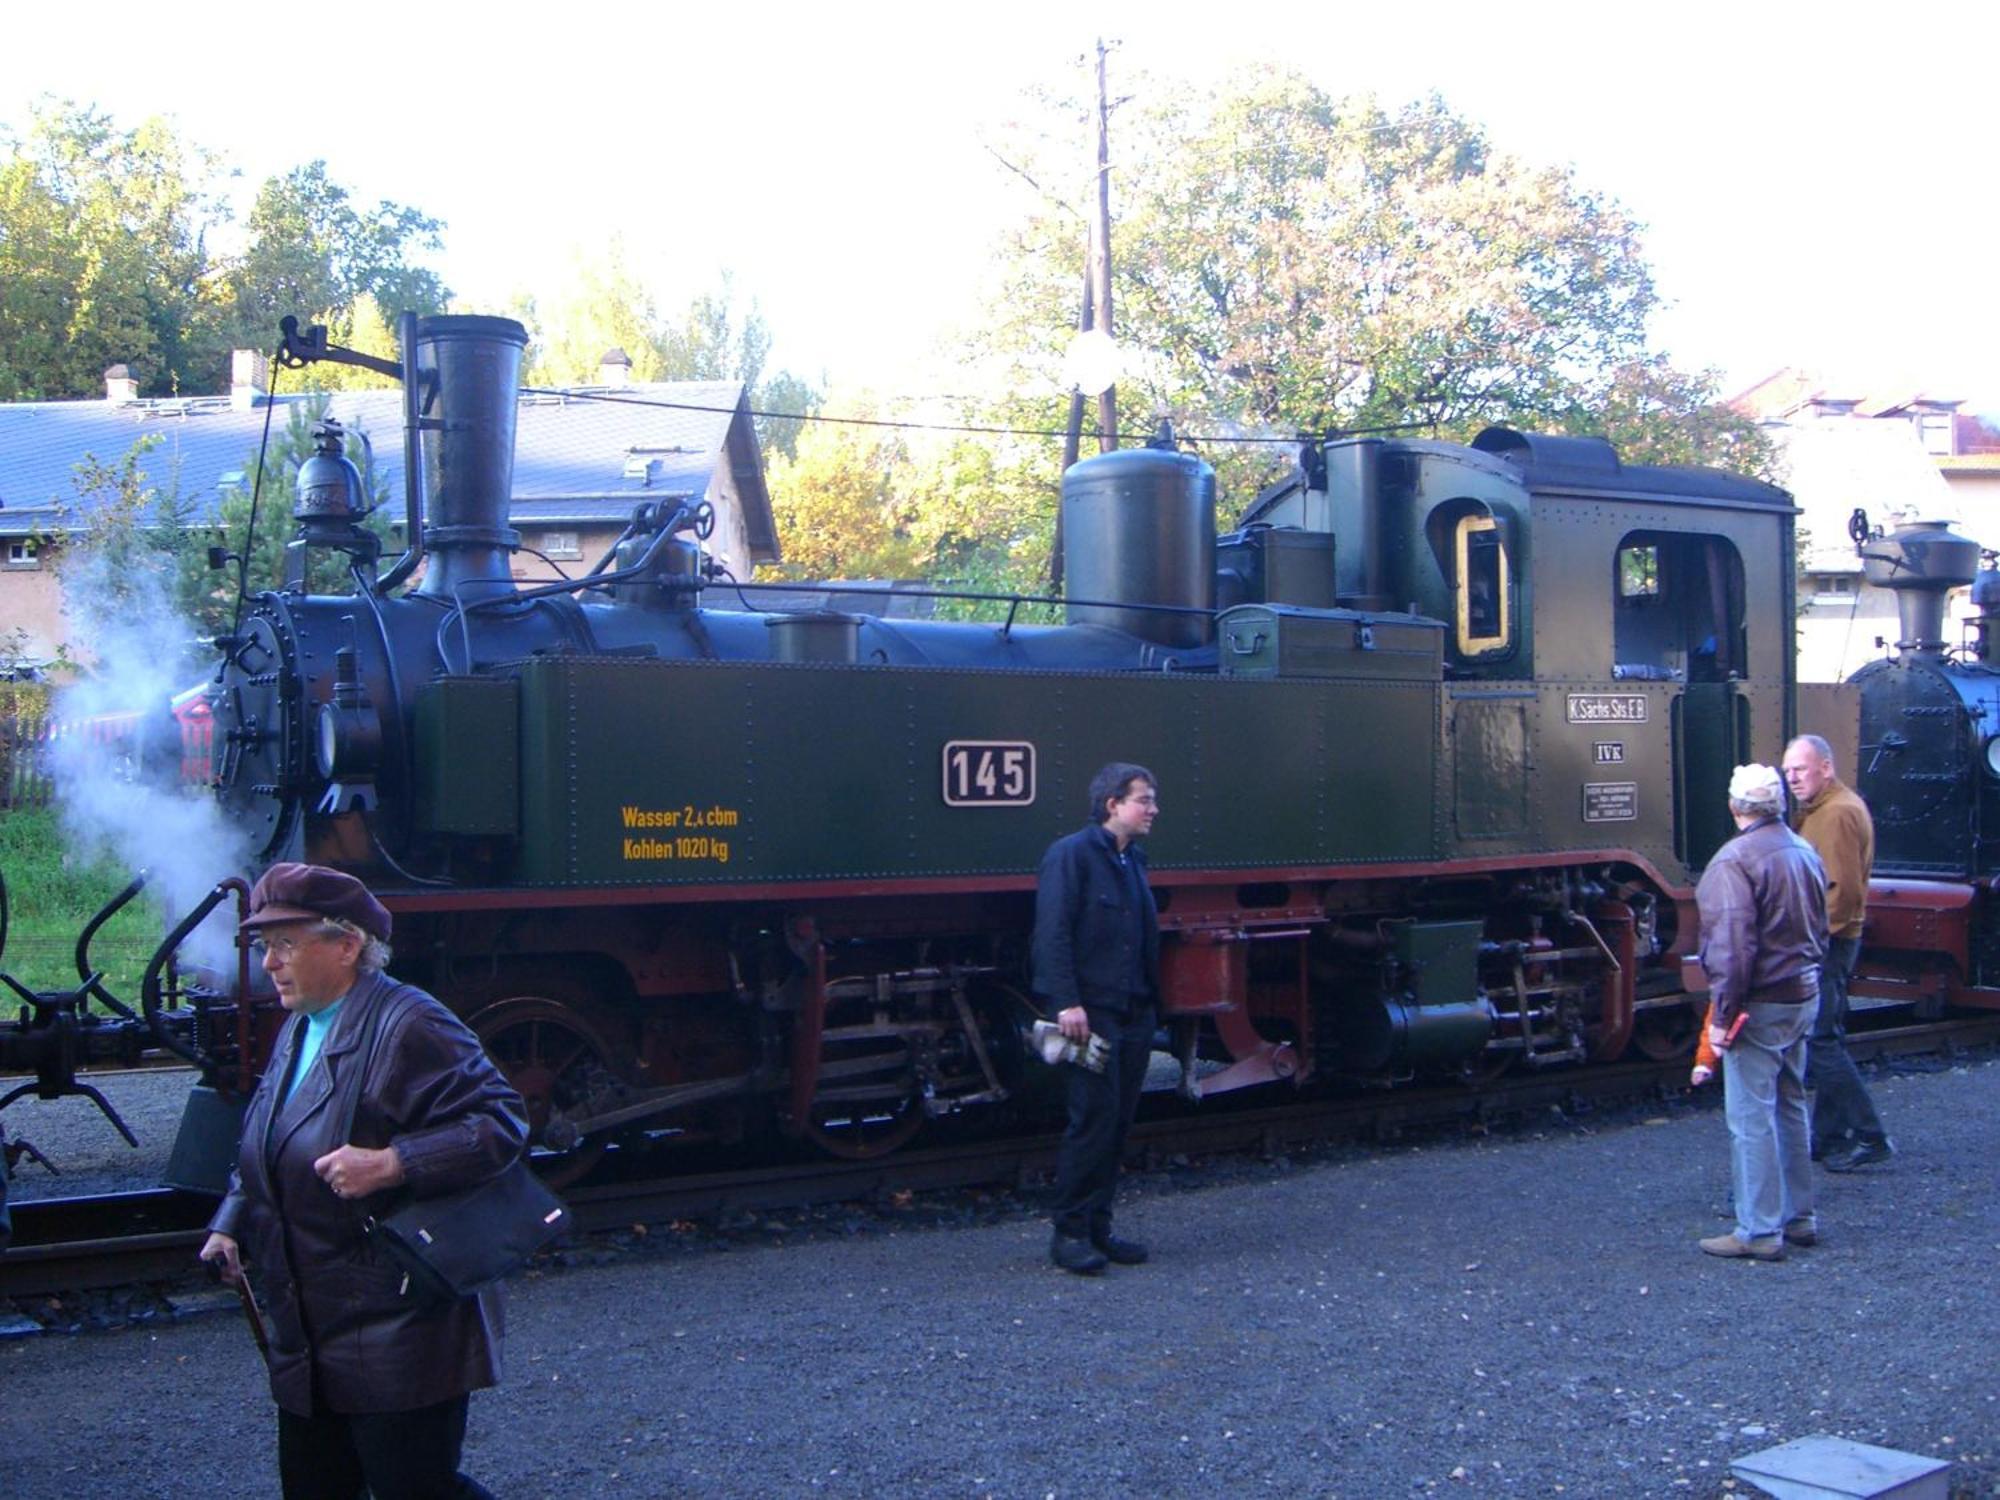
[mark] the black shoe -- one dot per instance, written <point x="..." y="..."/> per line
<point x="1077" y="1255"/>
<point x="1860" y="1154"/>
<point x="1122" y="1252"/>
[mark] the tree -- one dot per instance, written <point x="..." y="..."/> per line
<point x="138" y="572"/>
<point x="982" y="514"/>
<point x="711" y="343"/>
<point x="102" y="256"/>
<point x="1655" y="414"/>
<point x="364" y="328"/>
<point x="313" y="252"/>
<point x="607" y="305"/>
<point x="1291" y="262"/>
<point x="970" y="512"/>
<point x="104" y="259"/>
<point x="837" y="505"/>
<point x="784" y="392"/>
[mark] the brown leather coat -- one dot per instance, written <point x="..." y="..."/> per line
<point x="339" y="1321"/>
<point x="1763" y="920"/>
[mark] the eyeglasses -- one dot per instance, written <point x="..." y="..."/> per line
<point x="1144" y="799"/>
<point x="284" y="947"/>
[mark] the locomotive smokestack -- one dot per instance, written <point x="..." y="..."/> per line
<point x="1921" y="562"/>
<point x="469" y="375"/>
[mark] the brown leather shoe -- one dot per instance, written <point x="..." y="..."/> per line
<point x="1732" y="1246"/>
<point x="1802" y="1232"/>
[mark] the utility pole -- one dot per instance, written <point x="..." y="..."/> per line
<point x="1096" y="313"/>
<point x="1072" y="441"/>
<point x="1100" y="256"/>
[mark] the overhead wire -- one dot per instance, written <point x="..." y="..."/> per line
<point x="256" y="494"/>
<point x="992" y="429"/>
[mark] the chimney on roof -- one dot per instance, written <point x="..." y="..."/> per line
<point x="614" y="367"/>
<point x="120" y="389"/>
<point x="249" y="379"/>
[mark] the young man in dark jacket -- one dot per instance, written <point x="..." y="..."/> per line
<point x="1096" y="961"/>
<point x="1763" y="938"/>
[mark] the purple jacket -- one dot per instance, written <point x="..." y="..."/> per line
<point x="1763" y="920"/>
<point x="339" y="1320"/>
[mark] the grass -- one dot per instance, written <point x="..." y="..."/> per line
<point x="51" y="894"/>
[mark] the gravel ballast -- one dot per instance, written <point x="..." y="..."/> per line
<point x="1522" y="1315"/>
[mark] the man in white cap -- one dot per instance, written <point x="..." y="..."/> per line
<point x="1763" y="938"/>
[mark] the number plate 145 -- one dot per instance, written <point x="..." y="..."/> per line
<point x="989" y="773"/>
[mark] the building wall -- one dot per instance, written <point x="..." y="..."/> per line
<point x="1977" y="494"/>
<point x="575" y="549"/>
<point x="31" y="602"/>
<point x="1838" y="633"/>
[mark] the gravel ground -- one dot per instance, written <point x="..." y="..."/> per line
<point x="92" y="1157"/>
<point x="1522" y="1315"/>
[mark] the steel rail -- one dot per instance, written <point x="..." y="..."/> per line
<point x="123" y="1239"/>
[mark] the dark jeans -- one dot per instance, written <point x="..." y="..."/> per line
<point x="396" y="1455"/>
<point x="1841" y="1104"/>
<point x="1101" y="1107"/>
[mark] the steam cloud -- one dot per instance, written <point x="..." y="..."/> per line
<point x="123" y="797"/>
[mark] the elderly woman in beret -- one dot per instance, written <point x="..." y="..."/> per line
<point x="371" y="1383"/>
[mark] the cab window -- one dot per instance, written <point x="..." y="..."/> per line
<point x="1479" y="577"/>
<point x="1677" y="608"/>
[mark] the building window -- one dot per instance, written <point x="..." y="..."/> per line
<point x="23" y="552"/>
<point x="1935" y="428"/>
<point x="563" y="546"/>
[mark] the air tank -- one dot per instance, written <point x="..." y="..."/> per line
<point x="1139" y="545"/>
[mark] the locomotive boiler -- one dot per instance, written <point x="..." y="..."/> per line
<point x="1443" y="734"/>
<point x="1928" y="766"/>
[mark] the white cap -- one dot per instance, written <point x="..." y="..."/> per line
<point x="1755" y="785"/>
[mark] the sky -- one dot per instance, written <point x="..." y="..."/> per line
<point x="1816" y="179"/>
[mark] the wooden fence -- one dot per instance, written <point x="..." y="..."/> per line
<point x="29" y="740"/>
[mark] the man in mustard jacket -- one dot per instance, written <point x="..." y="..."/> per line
<point x="1846" y="1131"/>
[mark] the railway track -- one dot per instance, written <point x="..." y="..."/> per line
<point x="132" y="1238"/>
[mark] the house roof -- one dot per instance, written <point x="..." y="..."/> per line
<point x="583" y="454"/>
<point x="1785" y="392"/>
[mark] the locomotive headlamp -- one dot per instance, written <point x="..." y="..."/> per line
<point x="1993" y="756"/>
<point x="347" y="741"/>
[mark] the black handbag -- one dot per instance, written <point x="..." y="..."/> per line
<point x="456" y="1244"/>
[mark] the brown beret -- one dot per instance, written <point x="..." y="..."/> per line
<point x="303" y="893"/>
